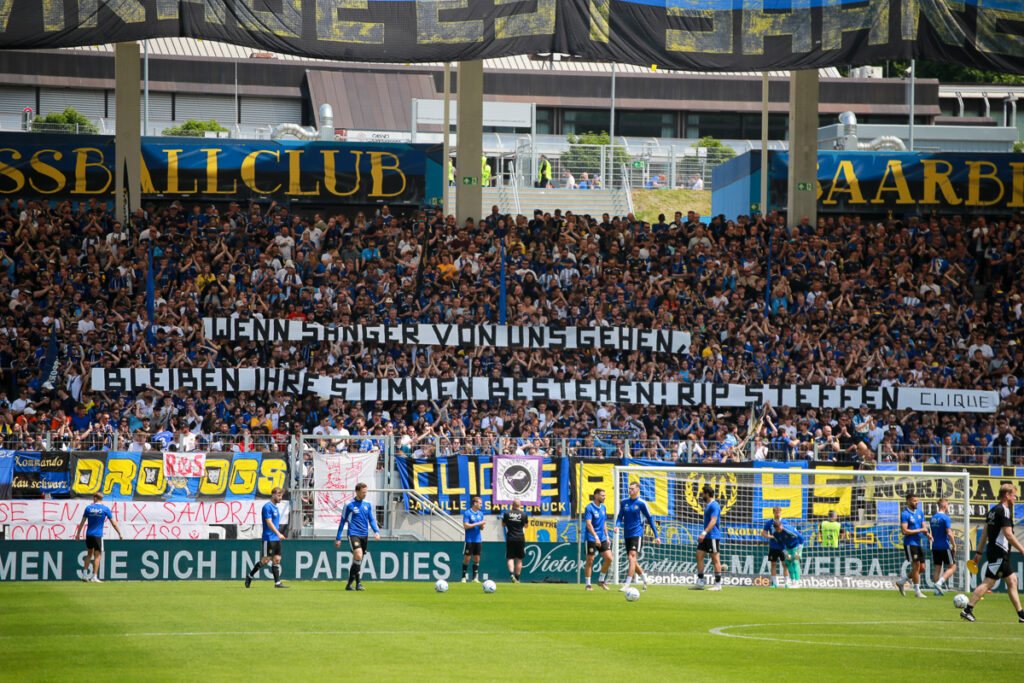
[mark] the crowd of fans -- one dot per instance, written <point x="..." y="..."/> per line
<point x="931" y="302"/>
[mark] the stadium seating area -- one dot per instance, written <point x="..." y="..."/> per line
<point x="930" y="302"/>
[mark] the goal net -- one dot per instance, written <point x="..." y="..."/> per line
<point x="868" y="553"/>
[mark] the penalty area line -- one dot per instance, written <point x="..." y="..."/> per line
<point x="203" y="634"/>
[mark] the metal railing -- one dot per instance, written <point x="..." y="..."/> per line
<point x="628" y="189"/>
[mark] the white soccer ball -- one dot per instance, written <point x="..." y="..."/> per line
<point x="441" y="586"/>
<point x="960" y="601"/>
<point x="632" y="594"/>
<point x="490" y="586"/>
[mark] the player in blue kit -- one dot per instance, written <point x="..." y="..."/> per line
<point x="360" y="518"/>
<point x="473" y="522"/>
<point x="792" y="543"/>
<point x="913" y="528"/>
<point x="96" y="516"/>
<point x="272" y="538"/>
<point x="943" y="546"/>
<point x="776" y="554"/>
<point x="709" y="540"/>
<point x="633" y="514"/>
<point x="596" y="519"/>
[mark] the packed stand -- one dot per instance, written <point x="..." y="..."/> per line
<point x="931" y="302"/>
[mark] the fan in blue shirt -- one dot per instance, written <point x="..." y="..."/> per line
<point x="96" y="516"/>
<point x="709" y="540"/>
<point x="360" y="517"/>
<point x="473" y="522"/>
<point x="943" y="546"/>
<point x="912" y="526"/>
<point x="633" y="513"/>
<point x="776" y="556"/>
<point x="596" y="519"/>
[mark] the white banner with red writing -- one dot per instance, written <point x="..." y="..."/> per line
<point x="184" y="464"/>
<point x="335" y="476"/>
<point x="32" y="520"/>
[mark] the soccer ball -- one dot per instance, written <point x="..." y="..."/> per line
<point x="490" y="586"/>
<point x="960" y="601"/>
<point x="632" y="594"/>
<point x="441" y="586"/>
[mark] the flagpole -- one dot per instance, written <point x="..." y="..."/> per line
<point x="150" y="293"/>
<point x="501" y="286"/>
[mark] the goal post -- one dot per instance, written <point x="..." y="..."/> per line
<point x="868" y="504"/>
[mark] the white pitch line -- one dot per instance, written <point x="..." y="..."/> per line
<point x="200" y="634"/>
<point x="721" y="631"/>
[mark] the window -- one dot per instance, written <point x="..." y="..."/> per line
<point x="545" y="121"/>
<point x="645" y="124"/>
<point x="578" y="121"/>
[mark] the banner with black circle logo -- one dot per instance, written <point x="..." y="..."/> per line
<point x="517" y="478"/>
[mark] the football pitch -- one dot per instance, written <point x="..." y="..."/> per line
<point x="405" y="631"/>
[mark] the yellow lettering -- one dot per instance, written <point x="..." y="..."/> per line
<point x="430" y="28"/>
<point x="286" y="23"/>
<point x="273" y="473"/>
<point x="243" y="476"/>
<point x="53" y="15"/>
<point x="215" y="481"/>
<point x="419" y="468"/>
<point x="82" y="165"/>
<point x="11" y="172"/>
<point x="595" y="476"/>
<point x="974" y="178"/>
<point x="991" y="39"/>
<point x="939" y="17"/>
<point x="788" y="497"/>
<point x="716" y="41"/>
<point x="128" y="11"/>
<point x="156" y="488"/>
<point x="758" y="25"/>
<point x="249" y="170"/>
<point x="839" y="19"/>
<point x="47" y="170"/>
<point x="377" y="169"/>
<point x="852" y="188"/>
<point x="88" y="476"/>
<point x="599" y="31"/>
<point x="934" y="180"/>
<point x="295" y="174"/>
<point x="442" y="478"/>
<point x="147" y="179"/>
<point x="1017" y="198"/>
<point x="900" y="186"/>
<point x="330" y="180"/>
<point x="121" y="473"/>
<point x="827" y="486"/>
<point x="330" y="27"/>
<point x="172" y="174"/>
<point x="539" y="23"/>
<point x="211" y="174"/>
<point x="485" y="465"/>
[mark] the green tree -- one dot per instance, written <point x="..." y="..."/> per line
<point x="67" y="121"/>
<point x="717" y="152"/>
<point x="584" y="154"/>
<point x="196" y="129"/>
<point x="1018" y="146"/>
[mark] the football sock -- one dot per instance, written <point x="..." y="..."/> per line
<point x="476" y="568"/>
<point x="629" y="580"/>
<point x="600" y="577"/>
<point x="643" y="577"/>
<point x="718" y="578"/>
<point x="902" y="580"/>
<point x="255" y="569"/>
<point x="276" y="569"/>
<point x="700" y="577"/>
<point x="517" y="577"/>
<point x="353" y="572"/>
<point x="465" y="565"/>
<point x="917" y="588"/>
<point x="1020" y="613"/>
<point x="588" y="580"/>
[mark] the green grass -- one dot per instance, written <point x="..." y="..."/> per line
<point x="404" y="631"/>
<point x="649" y="203"/>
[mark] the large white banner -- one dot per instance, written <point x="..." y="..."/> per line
<point x="335" y="476"/>
<point x="299" y="382"/>
<point x="56" y="520"/>
<point x="496" y="336"/>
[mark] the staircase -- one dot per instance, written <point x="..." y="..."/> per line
<point x="593" y="202"/>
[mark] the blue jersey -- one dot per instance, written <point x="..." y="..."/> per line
<point x="469" y="517"/>
<point x="598" y="516"/>
<point x="941" y="525"/>
<point x="96" y="515"/>
<point x="787" y="537"/>
<point x="359" y="517"/>
<point x="632" y="515"/>
<point x="713" y="511"/>
<point x="271" y="515"/>
<point x="914" y="520"/>
<point x="769" y="526"/>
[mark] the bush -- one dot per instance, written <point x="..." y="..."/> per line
<point x="68" y="121"/>
<point x="195" y="129"/>
<point x="717" y="152"/>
